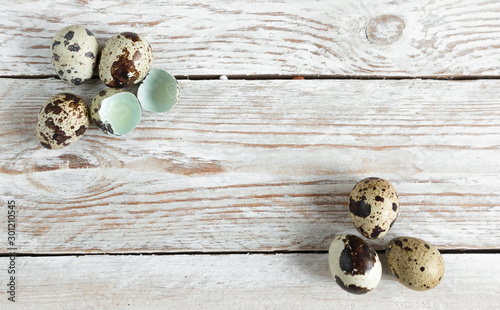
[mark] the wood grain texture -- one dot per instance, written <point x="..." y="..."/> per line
<point x="337" y="38"/>
<point x="257" y="166"/>
<point x="291" y="281"/>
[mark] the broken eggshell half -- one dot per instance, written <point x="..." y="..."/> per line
<point x="159" y="92"/>
<point x="115" y="111"/>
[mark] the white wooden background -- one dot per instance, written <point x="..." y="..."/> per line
<point x="231" y="199"/>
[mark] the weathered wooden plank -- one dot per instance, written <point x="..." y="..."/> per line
<point x="292" y="281"/>
<point x="257" y="165"/>
<point x="354" y="38"/>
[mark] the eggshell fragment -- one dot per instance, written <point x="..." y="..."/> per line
<point x="115" y="111"/>
<point x="74" y="51"/>
<point x="159" y="92"/>
<point x="62" y="121"/>
<point x="354" y="265"/>
<point x="125" y="60"/>
<point x="373" y="207"/>
<point x="415" y="263"/>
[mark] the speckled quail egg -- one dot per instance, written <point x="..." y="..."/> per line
<point x="125" y="60"/>
<point x="354" y="264"/>
<point x="115" y="111"/>
<point x="373" y="207"/>
<point x="159" y="92"/>
<point x="74" y="52"/>
<point x="415" y="263"/>
<point x="62" y="121"/>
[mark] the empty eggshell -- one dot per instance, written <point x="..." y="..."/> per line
<point x="115" y="111"/>
<point x="354" y="265"/>
<point x="159" y="92"/>
<point x="415" y="263"/>
<point x="373" y="207"/>
<point x="74" y="52"/>
<point x="62" y="121"/>
<point x="125" y="60"/>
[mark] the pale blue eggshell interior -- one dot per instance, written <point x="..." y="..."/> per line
<point x="158" y="92"/>
<point x="122" y="111"/>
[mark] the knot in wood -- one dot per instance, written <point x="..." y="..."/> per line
<point x="385" y="29"/>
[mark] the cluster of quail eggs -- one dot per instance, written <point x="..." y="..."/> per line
<point x="125" y="60"/>
<point x="355" y="265"/>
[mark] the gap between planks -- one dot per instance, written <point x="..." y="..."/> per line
<point x="291" y="76"/>
<point x="443" y="252"/>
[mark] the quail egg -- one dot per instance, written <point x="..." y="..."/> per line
<point x="354" y="265"/>
<point x="125" y="60"/>
<point x="415" y="263"/>
<point x="62" y="121"/>
<point x="115" y="111"/>
<point x="74" y="52"/>
<point x="373" y="207"/>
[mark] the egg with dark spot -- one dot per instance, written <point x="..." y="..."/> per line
<point x="125" y="60"/>
<point x="62" y="121"/>
<point x="74" y="52"/>
<point x="354" y="265"/>
<point x="415" y="263"/>
<point x="373" y="207"/>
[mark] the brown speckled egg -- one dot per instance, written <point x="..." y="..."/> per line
<point x="415" y="263"/>
<point x="62" y="121"/>
<point x="354" y="265"/>
<point x="74" y="52"/>
<point x="373" y="207"/>
<point x="125" y="60"/>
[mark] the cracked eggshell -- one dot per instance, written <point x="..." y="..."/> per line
<point x="125" y="60"/>
<point x="115" y="111"/>
<point x="62" y="121"/>
<point x="159" y="92"/>
<point x="95" y="106"/>
<point x="415" y="263"/>
<point x="354" y="265"/>
<point x="74" y="52"/>
<point x="373" y="207"/>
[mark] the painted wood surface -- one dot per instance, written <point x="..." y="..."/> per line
<point x="294" y="37"/>
<point x="258" y="166"/>
<point x="291" y="281"/>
